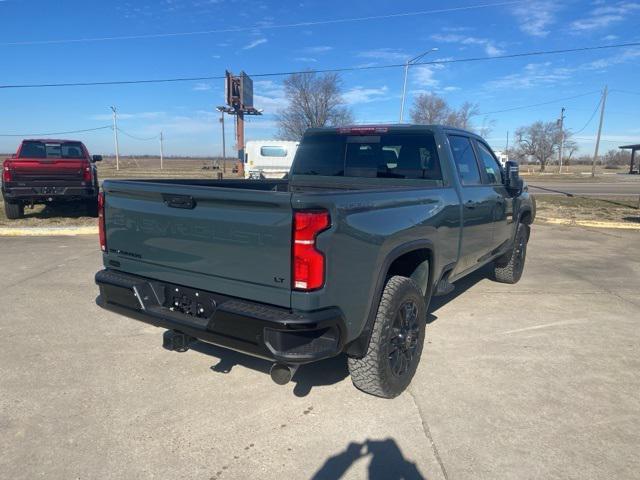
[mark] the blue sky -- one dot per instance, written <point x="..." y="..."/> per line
<point x="185" y="111"/>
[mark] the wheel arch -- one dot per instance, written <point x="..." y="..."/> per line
<point x="415" y="260"/>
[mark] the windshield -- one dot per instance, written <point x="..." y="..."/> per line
<point x="408" y="156"/>
<point x="51" y="150"/>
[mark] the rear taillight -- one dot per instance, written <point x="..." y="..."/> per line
<point x="6" y="172"/>
<point x="101" y="223"/>
<point x="86" y="174"/>
<point x="308" y="262"/>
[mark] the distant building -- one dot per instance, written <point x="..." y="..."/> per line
<point x="502" y="156"/>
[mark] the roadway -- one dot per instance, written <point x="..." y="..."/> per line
<point x="534" y="380"/>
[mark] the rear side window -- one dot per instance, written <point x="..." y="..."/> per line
<point x="51" y="150"/>
<point x="465" y="160"/>
<point x="401" y="156"/>
<point x="273" y="151"/>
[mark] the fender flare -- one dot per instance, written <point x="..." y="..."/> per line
<point x="358" y="347"/>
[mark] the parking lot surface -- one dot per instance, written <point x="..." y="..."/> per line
<point x="536" y="380"/>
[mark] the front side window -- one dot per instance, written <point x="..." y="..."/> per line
<point x="465" y="160"/>
<point x="392" y="155"/>
<point x="492" y="169"/>
<point x="273" y="151"/>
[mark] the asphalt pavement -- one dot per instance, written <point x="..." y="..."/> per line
<point x="536" y="380"/>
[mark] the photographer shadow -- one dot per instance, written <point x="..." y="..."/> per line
<point x="387" y="462"/>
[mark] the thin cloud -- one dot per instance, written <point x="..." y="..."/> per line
<point x="202" y="87"/>
<point x="318" y="49"/>
<point x="360" y="95"/>
<point x="604" y="16"/>
<point x="305" y="59"/>
<point x="489" y="46"/>
<point x="255" y="43"/>
<point x="385" y="54"/>
<point x="535" y="19"/>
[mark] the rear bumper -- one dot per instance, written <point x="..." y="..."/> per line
<point x="44" y="193"/>
<point x="258" y="329"/>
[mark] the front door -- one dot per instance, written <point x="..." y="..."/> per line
<point x="493" y="176"/>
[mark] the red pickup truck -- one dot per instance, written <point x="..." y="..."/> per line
<point x="49" y="171"/>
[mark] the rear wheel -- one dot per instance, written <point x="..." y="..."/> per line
<point x="13" y="210"/>
<point x="509" y="267"/>
<point x="396" y="341"/>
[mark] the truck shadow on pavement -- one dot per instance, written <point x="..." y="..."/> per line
<point x="387" y="462"/>
<point x="325" y="372"/>
<point x="62" y="210"/>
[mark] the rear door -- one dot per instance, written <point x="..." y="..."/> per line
<point x="230" y="241"/>
<point x="478" y="202"/>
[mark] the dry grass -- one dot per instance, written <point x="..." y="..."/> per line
<point x="572" y="173"/>
<point x="614" y="209"/>
<point x="49" y="216"/>
<point x="149" y="167"/>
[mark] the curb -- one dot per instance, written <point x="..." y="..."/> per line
<point x="47" y="231"/>
<point x="589" y="223"/>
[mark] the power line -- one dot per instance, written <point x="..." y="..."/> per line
<point x="263" y="27"/>
<point x="625" y="91"/>
<point x="536" y="104"/>
<point x="590" y="118"/>
<point x="327" y="70"/>
<point x="143" y="139"/>
<point x="53" y="133"/>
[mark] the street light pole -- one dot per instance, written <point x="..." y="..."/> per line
<point x="406" y="74"/>
<point x="560" y="152"/>
<point x="161" y="151"/>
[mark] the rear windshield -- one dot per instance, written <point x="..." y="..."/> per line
<point x="273" y="151"/>
<point x="51" y="150"/>
<point x="408" y="156"/>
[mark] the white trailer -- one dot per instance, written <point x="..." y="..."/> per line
<point x="268" y="158"/>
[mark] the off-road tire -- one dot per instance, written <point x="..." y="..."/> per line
<point x="13" y="211"/>
<point x="374" y="373"/>
<point x="509" y="267"/>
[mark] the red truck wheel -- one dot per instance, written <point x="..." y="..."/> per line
<point x="13" y="211"/>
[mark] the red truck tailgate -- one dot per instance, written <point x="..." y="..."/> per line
<point x="33" y="169"/>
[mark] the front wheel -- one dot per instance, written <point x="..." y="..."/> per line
<point x="396" y="341"/>
<point x="14" y="211"/>
<point x="509" y="267"/>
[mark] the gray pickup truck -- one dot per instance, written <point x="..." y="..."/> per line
<point x="344" y="256"/>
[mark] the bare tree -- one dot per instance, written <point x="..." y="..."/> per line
<point x="314" y="101"/>
<point x="539" y="140"/>
<point x="430" y="109"/>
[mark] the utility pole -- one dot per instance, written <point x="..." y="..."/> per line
<point x="506" y="150"/>
<point x="595" y="154"/>
<point x="161" y="152"/>
<point x="406" y="73"/>
<point x="561" y="123"/>
<point x="115" y="136"/>
<point x="224" y="143"/>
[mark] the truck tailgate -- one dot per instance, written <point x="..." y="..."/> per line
<point x="230" y="241"/>
<point x="26" y="169"/>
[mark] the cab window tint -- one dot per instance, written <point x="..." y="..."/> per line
<point x="392" y="155"/>
<point x="465" y="160"/>
<point x="493" y="172"/>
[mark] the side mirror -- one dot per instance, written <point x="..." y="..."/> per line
<point x="96" y="158"/>
<point x="513" y="182"/>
